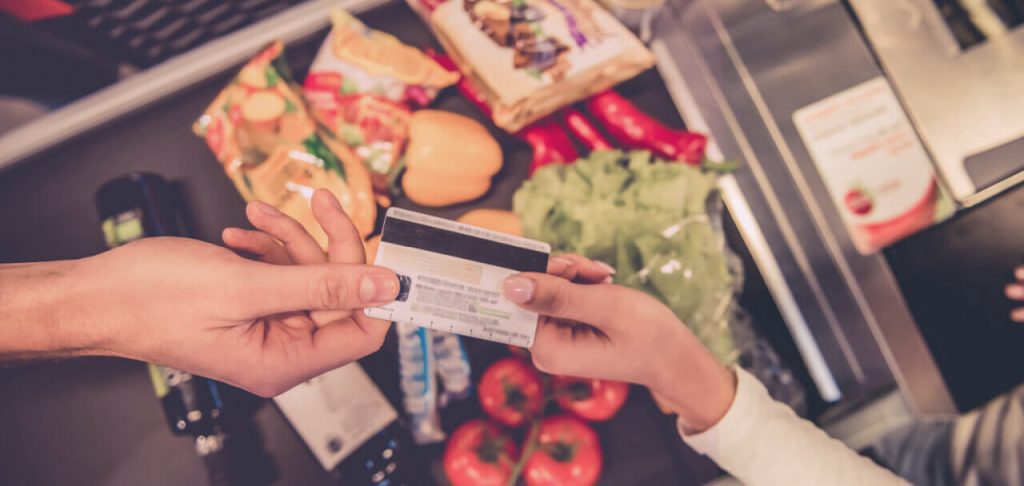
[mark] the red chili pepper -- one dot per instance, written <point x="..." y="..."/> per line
<point x="584" y="130"/>
<point x="551" y="145"/>
<point x="636" y="129"/>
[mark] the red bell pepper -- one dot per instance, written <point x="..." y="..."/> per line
<point x="637" y="130"/>
<point x="583" y="129"/>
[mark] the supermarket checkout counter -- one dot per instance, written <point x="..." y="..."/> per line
<point x="878" y="337"/>
<point x="96" y="421"/>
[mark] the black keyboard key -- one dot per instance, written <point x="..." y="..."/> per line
<point x="215" y="15"/>
<point x="229" y="24"/>
<point x="173" y="29"/>
<point x="190" y="39"/>
<point x="195" y="7"/>
<point x="157" y="18"/>
<point x="133" y="9"/>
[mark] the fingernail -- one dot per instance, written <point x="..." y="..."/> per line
<point x="1017" y="315"/>
<point x="558" y="264"/>
<point x="609" y="268"/>
<point x="607" y="280"/>
<point x="519" y="289"/>
<point x="266" y="208"/>
<point x="378" y="288"/>
<point x="1015" y="291"/>
<point x="1020" y="273"/>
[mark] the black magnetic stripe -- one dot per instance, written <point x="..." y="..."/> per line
<point x="451" y="243"/>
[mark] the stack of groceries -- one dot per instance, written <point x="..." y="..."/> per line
<point x="606" y="181"/>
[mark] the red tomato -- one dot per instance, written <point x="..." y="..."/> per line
<point x="568" y="454"/>
<point x="478" y="454"/>
<point x="590" y="399"/>
<point x="511" y="392"/>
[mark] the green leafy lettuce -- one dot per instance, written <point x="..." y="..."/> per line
<point x="649" y="220"/>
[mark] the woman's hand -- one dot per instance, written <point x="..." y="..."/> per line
<point x="1015" y="291"/>
<point x="263" y="326"/>
<point x="593" y="329"/>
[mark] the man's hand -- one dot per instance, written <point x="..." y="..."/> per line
<point x="1015" y="291"/>
<point x="201" y="308"/>
<point x="593" y="329"/>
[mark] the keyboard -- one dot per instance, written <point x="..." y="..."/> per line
<point x="145" y="32"/>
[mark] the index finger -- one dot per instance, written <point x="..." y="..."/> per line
<point x="344" y="245"/>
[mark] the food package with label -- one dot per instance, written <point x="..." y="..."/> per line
<point x="532" y="57"/>
<point x="260" y="130"/>
<point x="876" y="170"/>
<point x="362" y="85"/>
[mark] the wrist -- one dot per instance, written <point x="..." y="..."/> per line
<point x="47" y="311"/>
<point x="694" y="384"/>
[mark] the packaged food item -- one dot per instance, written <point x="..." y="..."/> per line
<point x="259" y="129"/>
<point x="532" y="57"/>
<point x="550" y="143"/>
<point x="649" y="220"/>
<point x="417" y="368"/>
<point x="875" y="168"/>
<point x="452" y="366"/>
<point x="361" y="86"/>
<point x="450" y="159"/>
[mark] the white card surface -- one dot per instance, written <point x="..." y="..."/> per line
<point x="336" y="412"/>
<point x="452" y="275"/>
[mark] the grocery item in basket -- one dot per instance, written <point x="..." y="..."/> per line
<point x="450" y="159"/>
<point x="259" y="129"/>
<point x="499" y="220"/>
<point x="361" y="86"/>
<point x="531" y="57"/>
<point x="649" y="220"/>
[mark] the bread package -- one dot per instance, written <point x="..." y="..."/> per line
<point x="532" y="57"/>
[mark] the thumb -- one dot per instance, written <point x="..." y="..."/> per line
<point x="272" y="289"/>
<point x="597" y="305"/>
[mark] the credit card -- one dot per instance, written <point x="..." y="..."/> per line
<point x="451" y="276"/>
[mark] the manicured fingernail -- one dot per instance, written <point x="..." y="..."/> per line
<point x="519" y="289"/>
<point x="609" y="268"/>
<point x="378" y="288"/>
<point x="267" y="209"/>
<point x="558" y="264"/>
<point x="1015" y="291"/>
<point x="1017" y="315"/>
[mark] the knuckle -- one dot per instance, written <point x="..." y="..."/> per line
<point x="329" y="291"/>
<point x="561" y="299"/>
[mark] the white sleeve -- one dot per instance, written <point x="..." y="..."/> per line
<point x="763" y="442"/>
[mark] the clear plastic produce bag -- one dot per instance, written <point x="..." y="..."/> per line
<point x="660" y="225"/>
